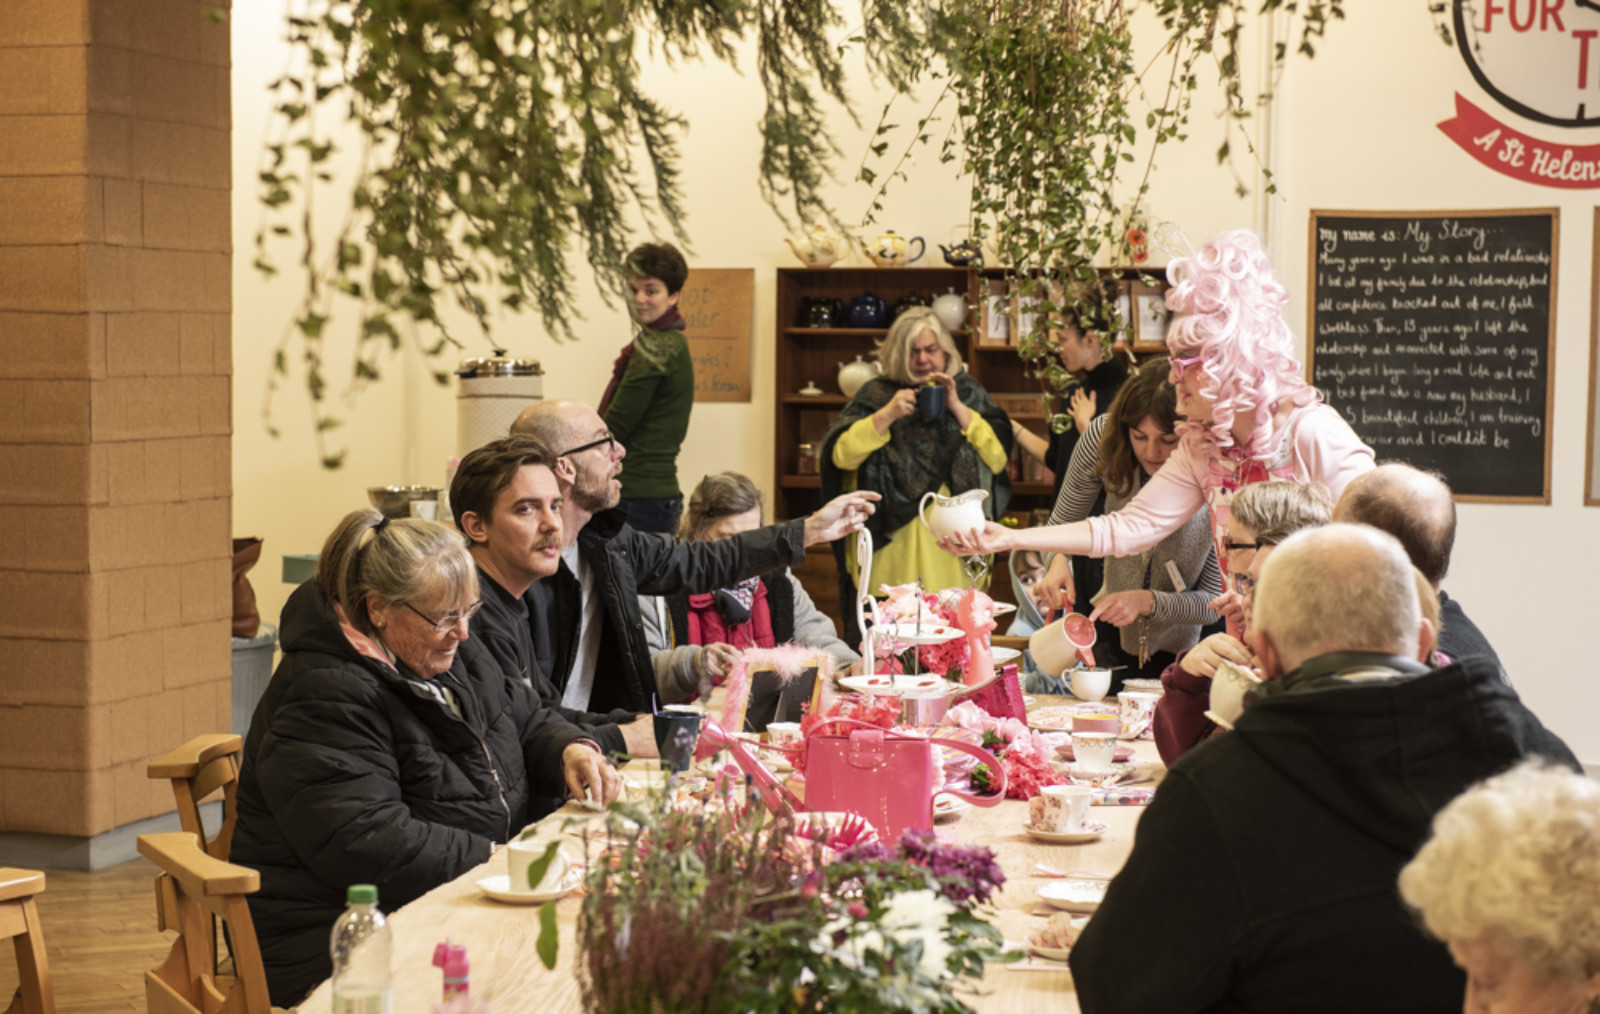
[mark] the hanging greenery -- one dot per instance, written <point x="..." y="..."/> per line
<point x="501" y="140"/>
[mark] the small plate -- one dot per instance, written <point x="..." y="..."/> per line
<point x="949" y="808"/>
<point x="1028" y="702"/>
<point x="885" y="685"/>
<point x="928" y="633"/>
<point x="1092" y="829"/>
<point x="1124" y="752"/>
<point x="499" y="888"/>
<point x="1003" y="608"/>
<point x="1050" y="953"/>
<point x="1080" y="896"/>
<point x="1003" y="656"/>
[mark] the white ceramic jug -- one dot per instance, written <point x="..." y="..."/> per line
<point x="952" y="513"/>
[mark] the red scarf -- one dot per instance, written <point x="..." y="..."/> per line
<point x="672" y="320"/>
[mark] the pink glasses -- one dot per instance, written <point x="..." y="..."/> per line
<point x="1180" y="366"/>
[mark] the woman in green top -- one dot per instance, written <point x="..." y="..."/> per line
<point x="646" y="405"/>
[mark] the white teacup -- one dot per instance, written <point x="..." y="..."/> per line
<point x="1088" y="684"/>
<point x="1094" y="752"/>
<point x="1138" y="709"/>
<point x="1229" y="684"/>
<point x="784" y="734"/>
<point x="523" y="853"/>
<point x="1063" y="809"/>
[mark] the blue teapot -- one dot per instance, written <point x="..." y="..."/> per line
<point x="867" y="310"/>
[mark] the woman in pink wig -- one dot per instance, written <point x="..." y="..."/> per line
<point x="1248" y="415"/>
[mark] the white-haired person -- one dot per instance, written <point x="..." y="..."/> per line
<point x="1510" y="881"/>
<point x="1249" y="416"/>
<point x="880" y="442"/>
<point x="1262" y="876"/>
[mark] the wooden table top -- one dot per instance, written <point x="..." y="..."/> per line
<point x="500" y="938"/>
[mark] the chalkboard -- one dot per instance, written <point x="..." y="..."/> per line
<point x="716" y="304"/>
<point x="1433" y="334"/>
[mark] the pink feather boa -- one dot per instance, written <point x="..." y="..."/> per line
<point x="788" y="661"/>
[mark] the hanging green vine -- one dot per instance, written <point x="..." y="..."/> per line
<point x="502" y="139"/>
<point x="1038" y="95"/>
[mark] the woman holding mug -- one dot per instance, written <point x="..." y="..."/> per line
<point x="1249" y="417"/>
<point x="958" y="440"/>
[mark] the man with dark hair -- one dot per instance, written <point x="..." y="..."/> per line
<point x="1263" y="873"/>
<point x="586" y="622"/>
<point x="508" y="504"/>
<point x="647" y="403"/>
<point x="1417" y="508"/>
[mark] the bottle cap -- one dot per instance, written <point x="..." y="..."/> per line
<point x="361" y="894"/>
<point x="452" y="958"/>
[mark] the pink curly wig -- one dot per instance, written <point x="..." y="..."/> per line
<point x="1227" y="309"/>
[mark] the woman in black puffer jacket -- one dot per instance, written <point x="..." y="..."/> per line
<point x="388" y="749"/>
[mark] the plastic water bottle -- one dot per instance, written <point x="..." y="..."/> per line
<point x="360" y="946"/>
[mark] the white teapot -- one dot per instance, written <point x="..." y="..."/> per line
<point x="852" y="376"/>
<point x="818" y="248"/>
<point x="952" y="513"/>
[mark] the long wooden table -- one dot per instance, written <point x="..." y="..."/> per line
<point x="500" y="938"/>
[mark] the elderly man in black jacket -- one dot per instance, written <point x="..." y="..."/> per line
<point x="586" y="621"/>
<point x="1263" y="874"/>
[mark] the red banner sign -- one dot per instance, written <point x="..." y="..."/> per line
<point x="1520" y="156"/>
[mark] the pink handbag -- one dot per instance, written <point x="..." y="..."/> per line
<point x="887" y="777"/>
<point x="1000" y="697"/>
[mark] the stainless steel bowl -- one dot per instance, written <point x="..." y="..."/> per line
<point x="395" y="501"/>
<point x="927" y="708"/>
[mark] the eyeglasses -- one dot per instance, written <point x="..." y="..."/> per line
<point x="608" y="440"/>
<point x="1180" y="365"/>
<point x="1234" y="547"/>
<point x="447" y="622"/>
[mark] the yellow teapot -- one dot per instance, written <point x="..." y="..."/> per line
<point x="817" y="247"/>
<point x="891" y="249"/>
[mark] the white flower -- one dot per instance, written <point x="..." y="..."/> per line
<point x="911" y="915"/>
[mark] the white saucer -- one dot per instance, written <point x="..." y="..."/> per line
<point x="885" y="685"/>
<point x="948" y="808"/>
<point x="1080" y="896"/>
<point x="910" y="633"/>
<point x="1092" y="829"/>
<point x="1028" y="702"/>
<point x="1003" y="608"/>
<point x="1002" y="655"/>
<point x="1050" y="953"/>
<point x="499" y="888"/>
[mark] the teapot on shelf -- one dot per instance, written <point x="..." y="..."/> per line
<point x="867" y="310"/>
<point x="905" y="303"/>
<point x="960" y="513"/>
<point x="891" y="250"/>
<point x="817" y="247"/>
<point x="853" y="375"/>
<point x="821" y="311"/>
<point x="964" y="254"/>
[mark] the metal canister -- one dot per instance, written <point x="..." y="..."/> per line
<point x="493" y="392"/>
<point x="807" y="463"/>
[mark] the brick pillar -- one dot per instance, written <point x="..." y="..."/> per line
<point x="115" y="414"/>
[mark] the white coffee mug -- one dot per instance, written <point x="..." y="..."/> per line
<point x="523" y="853"/>
<point x="1094" y="752"/>
<point x="1063" y="809"/>
<point x="783" y="733"/>
<point x="1138" y="709"/>
<point x="1229" y="684"/>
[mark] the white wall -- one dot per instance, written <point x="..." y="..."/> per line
<point x="1354" y="130"/>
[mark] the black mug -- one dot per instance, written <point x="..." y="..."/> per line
<point x="677" y="734"/>
<point x="930" y="401"/>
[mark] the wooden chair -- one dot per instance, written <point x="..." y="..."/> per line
<point x="194" y="888"/>
<point x="199" y="768"/>
<point x="1004" y="641"/>
<point x="19" y="920"/>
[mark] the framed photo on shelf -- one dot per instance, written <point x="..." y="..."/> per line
<point x="1147" y="311"/>
<point x="994" y="325"/>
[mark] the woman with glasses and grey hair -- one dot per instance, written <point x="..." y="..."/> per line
<point x="388" y="748"/>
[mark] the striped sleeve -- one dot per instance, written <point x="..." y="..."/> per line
<point x="1082" y="485"/>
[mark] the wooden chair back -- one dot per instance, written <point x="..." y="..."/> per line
<point x="1004" y="641"/>
<point x="194" y="888"/>
<point x="198" y="769"/>
<point x="19" y="920"/>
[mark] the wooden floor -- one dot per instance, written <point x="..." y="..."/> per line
<point x="100" y="929"/>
